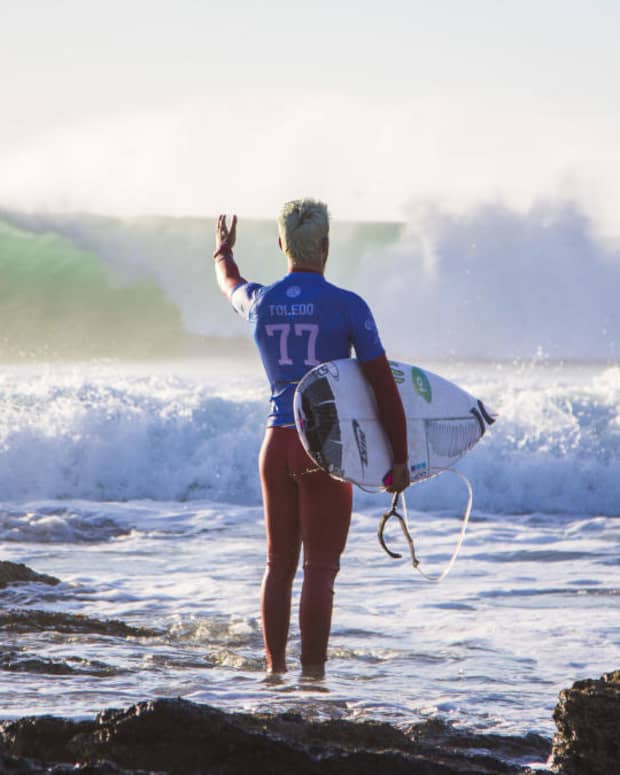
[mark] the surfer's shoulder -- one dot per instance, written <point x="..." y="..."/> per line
<point x="344" y="293"/>
<point x="353" y="300"/>
<point x="267" y="291"/>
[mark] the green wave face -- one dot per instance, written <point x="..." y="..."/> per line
<point x="58" y="301"/>
<point x="83" y="286"/>
<point x="490" y="284"/>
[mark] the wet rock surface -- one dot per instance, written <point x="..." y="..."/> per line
<point x="182" y="738"/>
<point x="12" y="765"/>
<point x="177" y="736"/>
<point x="33" y="620"/>
<point x="24" y="620"/>
<point x="588" y="720"/>
<point x="13" y="572"/>
<point x="14" y="661"/>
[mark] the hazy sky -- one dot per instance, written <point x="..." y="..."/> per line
<point x="191" y="107"/>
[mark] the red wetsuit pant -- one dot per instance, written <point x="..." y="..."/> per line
<point x="308" y="509"/>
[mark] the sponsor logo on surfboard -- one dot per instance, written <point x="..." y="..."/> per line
<point x="421" y="384"/>
<point x="333" y="369"/>
<point x="360" y="440"/>
<point x="418" y="469"/>
<point x="398" y="374"/>
<point x="326" y="369"/>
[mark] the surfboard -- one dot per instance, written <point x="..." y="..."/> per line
<point x="336" y="418"/>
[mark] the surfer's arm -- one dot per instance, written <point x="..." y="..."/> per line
<point x="226" y="270"/>
<point x="371" y="355"/>
<point x="392" y="415"/>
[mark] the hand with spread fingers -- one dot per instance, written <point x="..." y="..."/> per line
<point x="225" y="237"/>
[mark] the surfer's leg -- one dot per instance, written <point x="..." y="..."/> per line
<point x="325" y="515"/>
<point x="283" y="544"/>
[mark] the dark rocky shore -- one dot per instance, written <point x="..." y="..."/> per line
<point x="181" y="738"/>
<point x="178" y="737"/>
<point x="588" y="720"/>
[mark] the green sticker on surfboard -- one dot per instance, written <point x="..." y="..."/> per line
<point x="421" y="384"/>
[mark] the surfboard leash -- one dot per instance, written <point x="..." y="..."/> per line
<point x="404" y="527"/>
<point x="404" y="524"/>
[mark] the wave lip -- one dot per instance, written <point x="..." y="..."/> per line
<point x="63" y="301"/>
<point x="488" y="283"/>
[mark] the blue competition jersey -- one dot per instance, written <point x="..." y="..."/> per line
<point x="300" y="321"/>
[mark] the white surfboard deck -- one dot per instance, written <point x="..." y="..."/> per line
<point x="336" y="418"/>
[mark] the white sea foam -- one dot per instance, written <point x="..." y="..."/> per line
<point x="139" y="434"/>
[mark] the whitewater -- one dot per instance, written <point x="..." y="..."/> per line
<point x="134" y="481"/>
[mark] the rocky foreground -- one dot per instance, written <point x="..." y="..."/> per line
<point x="182" y="738"/>
<point x="177" y="737"/>
<point x="588" y="720"/>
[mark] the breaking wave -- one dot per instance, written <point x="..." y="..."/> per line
<point x="556" y="447"/>
<point x="489" y="283"/>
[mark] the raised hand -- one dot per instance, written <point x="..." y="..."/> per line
<point x="224" y="235"/>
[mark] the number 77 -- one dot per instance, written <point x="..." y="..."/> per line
<point x="284" y="330"/>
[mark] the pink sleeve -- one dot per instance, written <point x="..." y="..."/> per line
<point x="390" y="406"/>
<point x="226" y="270"/>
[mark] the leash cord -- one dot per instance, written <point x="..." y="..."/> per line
<point x="404" y="524"/>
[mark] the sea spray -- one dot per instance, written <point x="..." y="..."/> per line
<point x="104" y="433"/>
<point x="489" y="283"/>
<point x="493" y="283"/>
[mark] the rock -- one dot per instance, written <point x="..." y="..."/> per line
<point x="181" y="738"/>
<point x="20" y="661"/>
<point x="41" y="737"/>
<point x="12" y="572"/>
<point x="439" y="735"/>
<point x="14" y="662"/>
<point x="588" y="720"/>
<point x="32" y="620"/>
<point x="12" y="765"/>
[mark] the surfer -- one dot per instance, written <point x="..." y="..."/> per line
<point x="300" y="321"/>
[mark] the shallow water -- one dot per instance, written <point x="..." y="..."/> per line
<point x="137" y="488"/>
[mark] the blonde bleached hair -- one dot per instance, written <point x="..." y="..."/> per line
<point x="303" y="225"/>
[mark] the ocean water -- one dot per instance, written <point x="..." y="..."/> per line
<point x="134" y="481"/>
<point x="136" y="486"/>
